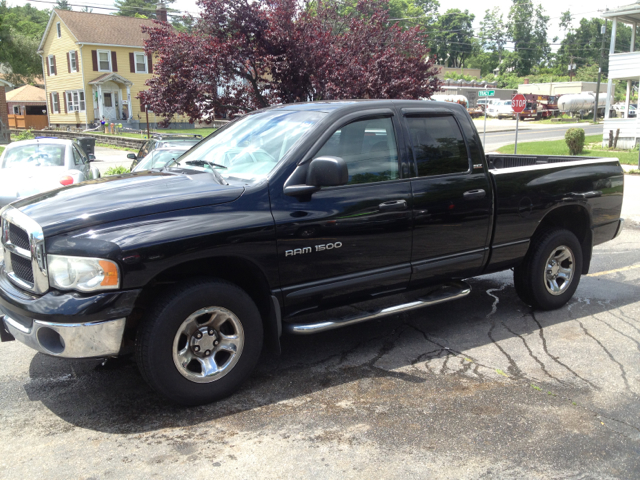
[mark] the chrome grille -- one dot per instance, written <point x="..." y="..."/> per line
<point x="22" y="268"/>
<point x="18" y="237"/>
<point x="24" y="254"/>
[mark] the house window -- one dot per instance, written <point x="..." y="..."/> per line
<point x="75" y="101"/>
<point x="58" y="29"/>
<point x="56" y="102"/>
<point x="73" y="61"/>
<point x="141" y="63"/>
<point x="52" y="65"/>
<point x="16" y="110"/>
<point x="104" y="60"/>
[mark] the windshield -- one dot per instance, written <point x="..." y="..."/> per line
<point x="250" y="148"/>
<point x="157" y="159"/>
<point x="34" y="155"/>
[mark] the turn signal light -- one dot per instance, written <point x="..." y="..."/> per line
<point x="66" y="180"/>
<point x="110" y="273"/>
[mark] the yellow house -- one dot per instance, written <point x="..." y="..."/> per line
<point x="94" y="66"/>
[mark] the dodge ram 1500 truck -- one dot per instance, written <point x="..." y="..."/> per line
<point x="284" y="213"/>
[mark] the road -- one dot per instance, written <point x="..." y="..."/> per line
<point x="479" y="388"/>
<point x="533" y="134"/>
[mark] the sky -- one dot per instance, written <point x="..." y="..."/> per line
<point x="553" y="8"/>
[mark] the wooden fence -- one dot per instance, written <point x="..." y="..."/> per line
<point x="32" y="122"/>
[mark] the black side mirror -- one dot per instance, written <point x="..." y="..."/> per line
<point x="132" y="156"/>
<point x="92" y="157"/>
<point x="322" y="172"/>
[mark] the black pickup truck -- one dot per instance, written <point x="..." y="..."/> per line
<point x="285" y="213"/>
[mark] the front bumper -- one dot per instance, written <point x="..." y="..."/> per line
<point x="69" y="340"/>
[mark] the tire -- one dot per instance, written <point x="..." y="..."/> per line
<point x="175" y="361"/>
<point x="534" y="281"/>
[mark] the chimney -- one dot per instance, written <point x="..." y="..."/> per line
<point x="161" y="11"/>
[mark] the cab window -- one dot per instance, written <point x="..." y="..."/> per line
<point x="369" y="149"/>
<point x="438" y="146"/>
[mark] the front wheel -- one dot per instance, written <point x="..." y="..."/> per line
<point x="200" y="342"/>
<point x="550" y="272"/>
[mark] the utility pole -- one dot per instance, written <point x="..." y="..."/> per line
<point x="603" y="31"/>
<point x="571" y="69"/>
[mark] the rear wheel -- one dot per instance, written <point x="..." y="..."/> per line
<point x="201" y="342"/>
<point x="550" y="272"/>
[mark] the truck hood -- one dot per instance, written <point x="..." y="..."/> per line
<point x="123" y="196"/>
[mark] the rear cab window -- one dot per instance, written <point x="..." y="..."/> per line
<point x="437" y="144"/>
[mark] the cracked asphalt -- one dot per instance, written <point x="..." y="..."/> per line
<point x="479" y="388"/>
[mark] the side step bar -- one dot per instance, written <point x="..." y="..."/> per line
<point x="448" y="292"/>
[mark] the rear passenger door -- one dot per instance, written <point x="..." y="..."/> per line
<point x="352" y="240"/>
<point x="452" y="200"/>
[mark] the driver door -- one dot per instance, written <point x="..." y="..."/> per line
<point x="350" y="241"/>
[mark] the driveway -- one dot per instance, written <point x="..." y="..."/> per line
<point x="479" y="388"/>
<point x="111" y="157"/>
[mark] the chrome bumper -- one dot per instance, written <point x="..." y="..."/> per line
<point x="70" y="340"/>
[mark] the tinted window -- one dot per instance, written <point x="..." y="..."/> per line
<point x="77" y="158"/>
<point x="369" y="149"/>
<point x="438" y="146"/>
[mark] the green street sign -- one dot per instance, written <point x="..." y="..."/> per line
<point x="486" y="93"/>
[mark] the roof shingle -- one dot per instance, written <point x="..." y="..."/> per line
<point x="27" y="94"/>
<point x="105" y="29"/>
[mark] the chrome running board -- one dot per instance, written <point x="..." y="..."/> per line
<point x="448" y="292"/>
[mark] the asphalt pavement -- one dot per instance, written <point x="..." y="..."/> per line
<point x="532" y="133"/>
<point x="483" y="387"/>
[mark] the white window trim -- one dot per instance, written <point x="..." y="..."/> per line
<point x="135" y="62"/>
<point x="58" y="30"/>
<point x="74" y="104"/>
<point x="108" y="52"/>
<point x="72" y="53"/>
<point x="56" y="103"/>
<point x="52" y="66"/>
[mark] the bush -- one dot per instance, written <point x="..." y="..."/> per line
<point x="119" y="170"/>
<point x="575" y="140"/>
<point x="26" y="135"/>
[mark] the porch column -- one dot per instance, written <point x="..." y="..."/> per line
<point x="612" y="49"/>
<point x="633" y="36"/>
<point x="100" y="103"/>
<point x="129" y="102"/>
<point x="627" y="99"/>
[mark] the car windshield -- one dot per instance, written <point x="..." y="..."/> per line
<point x="33" y="155"/>
<point x="249" y="148"/>
<point x="158" y="159"/>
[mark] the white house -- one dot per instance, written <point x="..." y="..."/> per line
<point x="623" y="66"/>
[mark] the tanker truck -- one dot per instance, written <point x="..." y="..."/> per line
<point x="581" y="102"/>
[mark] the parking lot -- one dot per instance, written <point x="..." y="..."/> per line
<point x="478" y="388"/>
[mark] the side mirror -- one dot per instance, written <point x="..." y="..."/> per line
<point x="132" y="156"/>
<point x="92" y="157"/>
<point x="322" y="172"/>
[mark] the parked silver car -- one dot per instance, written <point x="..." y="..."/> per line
<point x="159" y="157"/>
<point x="28" y="167"/>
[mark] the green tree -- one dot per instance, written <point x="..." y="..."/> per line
<point x="527" y="28"/>
<point x="491" y="42"/>
<point x="63" y="5"/>
<point x="21" y="29"/>
<point x="147" y="8"/>
<point x="451" y="38"/>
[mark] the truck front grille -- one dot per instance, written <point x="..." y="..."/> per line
<point x="24" y="254"/>
<point x="22" y="268"/>
<point x="18" y="237"/>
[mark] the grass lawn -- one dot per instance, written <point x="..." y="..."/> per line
<point x="194" y="131"/>
<point x="559" y="147"/>
<point x="1" y="150"/>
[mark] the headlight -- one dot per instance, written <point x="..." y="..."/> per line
<point x="82" y="273"/>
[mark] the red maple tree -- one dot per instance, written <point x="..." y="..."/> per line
<point x="245" y="55"/>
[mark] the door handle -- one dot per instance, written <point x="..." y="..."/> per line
<point x="474" y="194"/>
<point x="393" y="206"/>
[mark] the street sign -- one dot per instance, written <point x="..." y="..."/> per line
<point x="518" y="103"/>
<point x="486" y="93"/>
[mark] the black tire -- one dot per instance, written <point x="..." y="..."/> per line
<point x="530" y="278"/>
<point x="158" y="333"/>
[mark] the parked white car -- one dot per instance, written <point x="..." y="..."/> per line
<point x="29" y="167"/>
<point x="500" y="109"/>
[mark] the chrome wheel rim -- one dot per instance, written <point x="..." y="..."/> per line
<point x="559" y="270"/>
<point x="208" y="344"/>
